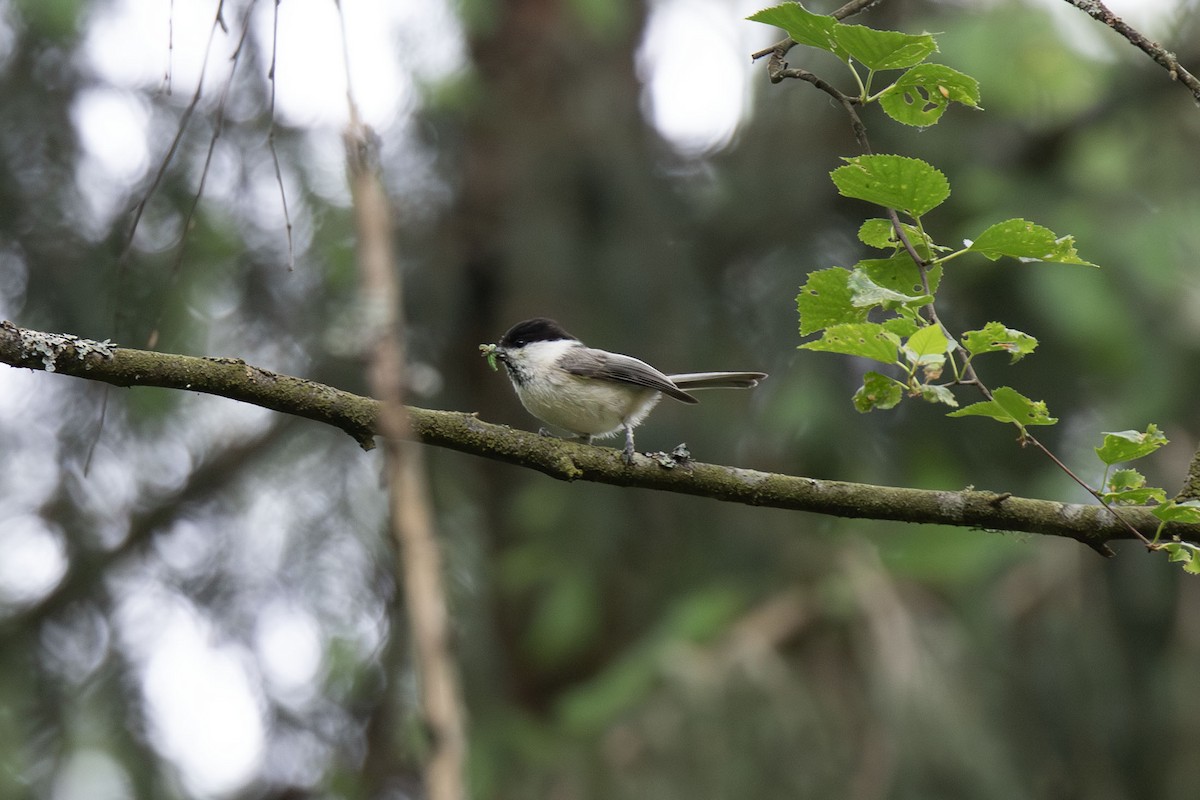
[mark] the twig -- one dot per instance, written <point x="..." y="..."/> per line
<point x="170" y="48"/>
<point x="287" y="217"/>
<point x="140" y="209"/>
<point x="1163" y="57"/>
<point x="778" y="70"/>
<point x="160" y="173"/>
<point x="189" y="219"/>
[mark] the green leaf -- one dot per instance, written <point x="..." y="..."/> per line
<point x="927" y="346"/>
<point x="826" y="299"/>
<point x="802" y="26"/>
<point x="901" y="326"/>
<point x="1128" y="487"/>
<point x="879" y="233"/>
<point x="927" y="349"/>
<point x="921" y="95"/>
<point x="1187" y="512"/>
<point x="877" y="391"/>
<point x="1186" y="554"/>
<point x="939" y="394"/>
<point x="900" y="274"/>
<point x="995" y="337"/>
<point x="1130" y="445"/>
<point x="866" y="293"/>
<point x="1009" y="405"/>
<point x="1022" y="239"/>
<point x="906" y="184"/>
<point x="866" y="339"/>
<point x="1123" y="479"/>
<point x="1136" y="497"/>
<point x="877" y="50"/>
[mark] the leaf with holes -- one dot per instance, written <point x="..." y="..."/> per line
<point x="900" y="274"/>
<point x="866" y="293"/>
<point x="921" y="95"/>
<point x="995" y="337"/>
<point x="878" y="391"/>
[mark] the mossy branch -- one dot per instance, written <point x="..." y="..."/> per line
<point x="569" y="461"/>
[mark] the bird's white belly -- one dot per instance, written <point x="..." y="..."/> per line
<point x="586" y="407"/>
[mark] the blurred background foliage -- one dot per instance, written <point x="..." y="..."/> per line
<point x="209" y="611"/>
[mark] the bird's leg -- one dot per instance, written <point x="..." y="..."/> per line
<point x="627" y="453"/>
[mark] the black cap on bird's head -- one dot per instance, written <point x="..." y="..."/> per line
<point x="538" y="329"/>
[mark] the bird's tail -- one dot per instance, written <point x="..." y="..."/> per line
<point x="717" y="380"/>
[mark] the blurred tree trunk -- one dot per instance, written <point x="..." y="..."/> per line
<point x="558" y="207"/>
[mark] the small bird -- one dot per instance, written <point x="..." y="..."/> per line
<point x="588" y="392"/>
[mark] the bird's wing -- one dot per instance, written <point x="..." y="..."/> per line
<point x="600" y="365"/>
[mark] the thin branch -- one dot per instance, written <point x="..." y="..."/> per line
<point x="160" y="173"/>
<point x="140" y="209"/>
<point x="1163" y="57"/>
<point x="190" y="218"/>
<point x="170" y="48"/>
<point x="235" y="379"/>
<point x="287" y="217"/>
<point x="778" y="70"/>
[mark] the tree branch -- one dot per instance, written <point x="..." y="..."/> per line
<point x="569" y="461"/>
<point x="1166" y="59"/>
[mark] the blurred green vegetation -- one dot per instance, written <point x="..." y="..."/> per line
<point x="614" y="643"/>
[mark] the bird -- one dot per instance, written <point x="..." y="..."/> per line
<point x="592" y="393"/>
